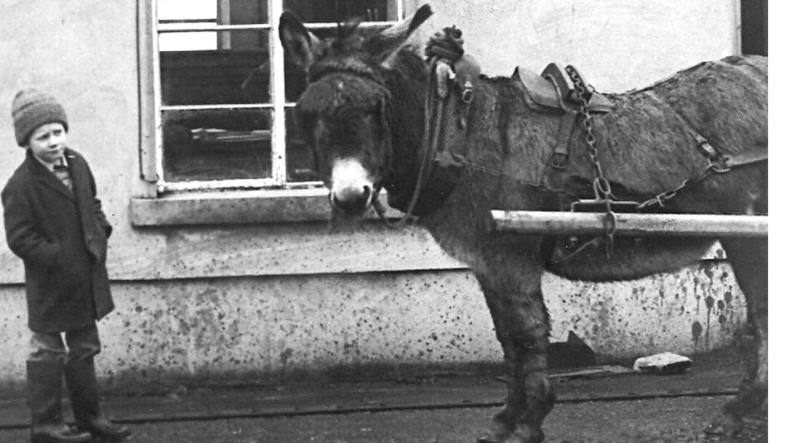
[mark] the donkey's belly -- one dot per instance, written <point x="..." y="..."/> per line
<point x="631" y="258"/>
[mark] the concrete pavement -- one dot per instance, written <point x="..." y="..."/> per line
<point x="439" y="408"/>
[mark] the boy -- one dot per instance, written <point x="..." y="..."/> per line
<point x="54" y="222"/>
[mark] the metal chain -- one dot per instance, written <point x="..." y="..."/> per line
<point x="602" y="188"/>
<point x="662" y="197"/>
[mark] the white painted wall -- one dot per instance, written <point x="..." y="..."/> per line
<point x="261" y="299"/>
<point x="616" y="44"/>
<point x="231" y="329"/>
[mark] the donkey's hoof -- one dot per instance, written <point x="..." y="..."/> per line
<point x="525" y="434"/>
<point x="492" y="438"/>
<point x="498" y="433"/>
<point x="752" y="399"/>
<point x="727" y="425"/>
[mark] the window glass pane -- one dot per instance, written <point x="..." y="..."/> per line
<point x="236" y="75"/>
<point x="217" y="145"/>
<point x="183" y="41"/>
<point x="243" y="12"/>
<point x="229" y="68"/>
<point x="299" y="157"/>
<point x="183" y="9"/>
<point x="332" y="11"/>
<point x="223" y="12"/>
<point x="176" y="14"/>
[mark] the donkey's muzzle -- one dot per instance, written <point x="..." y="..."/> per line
<point x="352" y="201"/>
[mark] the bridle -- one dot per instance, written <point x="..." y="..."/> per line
<point x="434" y="163"/>
<point x="357" y="68"/>
<point x="449" y="92"/>
<point x="425" y="159"/>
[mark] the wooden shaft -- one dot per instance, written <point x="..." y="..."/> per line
<point x="676" y="225"/>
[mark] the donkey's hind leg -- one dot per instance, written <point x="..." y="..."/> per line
<point x="749" y="260"/>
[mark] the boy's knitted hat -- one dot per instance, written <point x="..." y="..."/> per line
<point x="32" y="108"/>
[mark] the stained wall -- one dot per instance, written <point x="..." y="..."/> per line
<point x="270" y="299"/>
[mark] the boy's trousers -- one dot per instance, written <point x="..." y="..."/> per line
<point x="82" y="343"/>
<point x="50" y="362"/>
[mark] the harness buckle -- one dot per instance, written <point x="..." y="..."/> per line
<point x="467" y="94"/>
<point x="705" y="148"/>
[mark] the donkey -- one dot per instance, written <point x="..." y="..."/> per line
<point x="363" y="113"/>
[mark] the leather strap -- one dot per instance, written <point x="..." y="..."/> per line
<point x="745" y="158"/>
<point x="724" y="162"/>
<point x="561" y="149"/>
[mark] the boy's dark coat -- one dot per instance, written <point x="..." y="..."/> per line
<point x="62" y="241"/>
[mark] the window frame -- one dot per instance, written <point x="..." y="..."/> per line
<point x="152" y="108"/>
<point x="153" y="206"/>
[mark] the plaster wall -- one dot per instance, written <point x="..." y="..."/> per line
<point x="617" y="45"/>
<point x="204" y="300"/>
<point x="368" y="325"/>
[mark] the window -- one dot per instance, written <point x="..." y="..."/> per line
<point x="222" y="97"/>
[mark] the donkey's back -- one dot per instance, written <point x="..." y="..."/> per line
<point x="726" y="100"/>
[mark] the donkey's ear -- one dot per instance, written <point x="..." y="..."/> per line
<point x="301" y="46"/>
<point x="383" y="44"/>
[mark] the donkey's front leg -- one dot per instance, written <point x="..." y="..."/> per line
<point x="504" y="422"/>
<point x="531" y="339"/>
<point x="522" y="326"/>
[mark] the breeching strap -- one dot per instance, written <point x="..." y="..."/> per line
<point x="717" y="164"/>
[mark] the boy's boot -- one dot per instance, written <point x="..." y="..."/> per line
<point x="85" y="397"/>
<point x="44" y="397"/>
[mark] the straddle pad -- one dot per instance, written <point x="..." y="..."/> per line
<point x="543" y="92"/>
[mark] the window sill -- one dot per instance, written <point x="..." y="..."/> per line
<point x="236" y="207"/>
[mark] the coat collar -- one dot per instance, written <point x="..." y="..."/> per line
<point x="46" y="177"/>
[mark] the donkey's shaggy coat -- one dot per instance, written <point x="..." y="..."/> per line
<point x="364" y="106"/>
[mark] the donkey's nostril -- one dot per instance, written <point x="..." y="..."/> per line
<point x="352" y="201"/>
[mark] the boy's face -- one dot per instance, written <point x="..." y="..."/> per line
<point x="48" y="142"/>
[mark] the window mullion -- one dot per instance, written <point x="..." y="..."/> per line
<point x="277" y="92"/>
<point x="157" y="97"/>
<point x="213" y="28"/>
<point x="213" y="107"/>
<point x="224" y="18"/>
<point x="172" y="165"/>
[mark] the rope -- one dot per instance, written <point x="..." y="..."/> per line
<point x="448" y="46"/>
<point x="430" y="137"/>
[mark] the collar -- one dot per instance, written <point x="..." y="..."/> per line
<point x="51" y="166"/>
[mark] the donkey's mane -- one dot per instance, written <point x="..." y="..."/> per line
<point x="349" y="79"/>
<point x="347" y="39"/>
